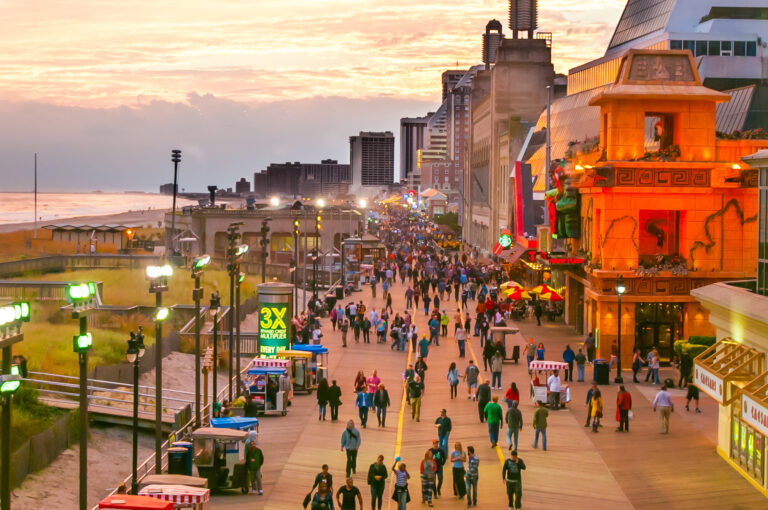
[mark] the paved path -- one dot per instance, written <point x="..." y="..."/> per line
<point x="580" y="470"/>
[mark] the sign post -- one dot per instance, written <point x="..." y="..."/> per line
<point x="275" y="314"/>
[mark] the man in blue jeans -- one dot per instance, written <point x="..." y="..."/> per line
<point x="470" y="479"/>
<point x="540" y="425"/>
<point x="444" y="425"/>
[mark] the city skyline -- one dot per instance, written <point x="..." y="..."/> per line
<point x="77" y="71"/>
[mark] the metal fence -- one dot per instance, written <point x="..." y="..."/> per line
<point x="62" y="262"/>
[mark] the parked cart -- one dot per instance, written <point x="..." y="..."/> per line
<point x="540" y="370"/>
<point x="182" y="496"/>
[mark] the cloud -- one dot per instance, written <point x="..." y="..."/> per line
<point x="128" y="148"/>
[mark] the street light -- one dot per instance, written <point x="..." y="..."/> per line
<point x="362" y="203"/>
<point x="274" y="201"/>
<point x="264" y="247"/>
<point x="234" y="253"/>
<point x="620" y="289"/>
<point x="11" y="318"/>
<point x="215" y="304"/>
<point x="134" y="354"/>
<point x="176" y="158"/>
<point x="197" y="294"/>
<point x="239" y="279"/>
<point x="158" y="283"/>
<point x="320" y="202"/>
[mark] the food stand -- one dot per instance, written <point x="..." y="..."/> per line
<point x="236" y="423"/>
<point x="540" y="391"/>
<point x="219" y="455"/>
<point x="302" y="375"/>
<point x="261" y="381"/>
<point x="319" y="359"/>
<point x="129" y="502"/>
<point x="510" y="338"/>
<point x="181" y="496"/>
<point x="190" y="481"/>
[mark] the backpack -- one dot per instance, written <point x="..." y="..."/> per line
<point x="512" y="468"/>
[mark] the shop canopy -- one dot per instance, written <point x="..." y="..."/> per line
<point x="177" y="494"/>
<point x="754" y="403"/>
<point x="727" y="361"/>
<point x="129" y="502"/>
<point x="547" y="365"/>
<point x="270" y="363"/>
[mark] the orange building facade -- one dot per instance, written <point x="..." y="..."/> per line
<point x="664" y="204"/>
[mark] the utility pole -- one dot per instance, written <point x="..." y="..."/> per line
<point x="176" y="158"/>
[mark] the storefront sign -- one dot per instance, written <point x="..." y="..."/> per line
<point x="273" y="328"/>
<point x="755" y="414"/>
<point x="565" y="260"/>
<point x="709" y="383"/>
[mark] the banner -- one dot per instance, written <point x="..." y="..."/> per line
<point x="273" y="328"/>
<point x="708" y="383"/>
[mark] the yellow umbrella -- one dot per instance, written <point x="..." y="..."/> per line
<point x="550" y="296"/>
<point x="518" y="294"/>
<point x="542" y="289"/>
<point x="510" y="286"/>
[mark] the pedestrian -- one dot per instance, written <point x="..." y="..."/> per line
<point x="686" y="365"/>
<point x="512" y="395"/>
<point x="373" y="385"/>
<point x="540" y="350"/>
<point x="361" y="383"/>
<point x="347" y="495"/>
<point x="413" y="337"/>
<point x="323" y="499"/>
<point x="493" y="415"/>
<point x="381" y="402"/>
<point x="530" y="352"/>
<point x="514" y="421"/>
<point x="444" y="323"/>
<point x="350" y="441"/>
<point x="436" y="302"/>
<point x="457" y="322"/>
<point x="324" y="477"/>
<point x="428" y="470"/>
<point x="423" y="347"/>
<point x="511" y="473"/>
<point x="693" y="394"/>
<point x="590" y="394"/>
<point x="589" y="344"/>
<point x="444" y="426"/>
<point x="483" y="397"/>
<point x="488" y="351"/>
<point x="366" y="329"/>
<point x="334" y="400"/>
<point x="458" y="458"/>
<point x="537" y="311"/>
<point x="623" y="407"/>
<point x="655" y="366"/>
<point x="553" y="384"/>
<point x="580" y="361"/>
<point x="453" y="379"/>
<point x="357" y="325"/>
<point x="401" y="494"/>
<point x="569" y="356"/>
<point x="434" y="326"/>
<point x="322" y="398"/>
<point x="472" y="476"/>
<point x="343" y="327"/>
<point x="461" y="339"/>
<point x="470" y="376"/>
<point x="637" y="364"/>
<point x="663" y="402"/>
<point x="377" y="479"/>
<point x="540" y="425"/>
<point x="254" y="459"/>
<point x="408" y="297"/>
<point x="497" y="363"/>
<point x="427" y="301"/>
<point x="361" y="402"/>
<point x="483" y="328"/>
<point x="421" y="369"/>
<point x="335" y="317"/>
<point x="389" y="303"/>
<point x="439" y="456"/>
<point x="415" y="390"/>
<point x="597" y="409"/>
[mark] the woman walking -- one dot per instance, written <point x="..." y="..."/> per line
<point x="512" y="395"/>
<point x="361" y="383"/>
<point x="428" y="471"/>
<point x="453" y="380"/>
<point x="540" y="352"/>
<point x="597" y="410"/>
<point x="458" y="458"/>
<point x="322" y="398"/>
<point x="323" y="499"/>
<point x="401" y="495"/>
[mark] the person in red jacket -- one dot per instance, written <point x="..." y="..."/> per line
<point x="623" y="406"/>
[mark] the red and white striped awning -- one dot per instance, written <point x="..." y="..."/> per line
<point x="547" y="365"/>
<point x="177" y="494"/>
<point x="270" y="363"/>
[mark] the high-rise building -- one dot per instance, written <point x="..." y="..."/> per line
<point x="372" y="159"/>
<point x="242" y="186"/>
<point x="303" y="179"/>
<point x="413" y="138"/>
<point x="450" y="78"/>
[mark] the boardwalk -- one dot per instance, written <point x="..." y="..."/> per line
<point x="580" y="470"/>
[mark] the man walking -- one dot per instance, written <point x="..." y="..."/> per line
<point x="472" y="476"/>
<point x="497" y="364"/>
<point x="444" y="425"/>
<point x="434" y="329"/>
<point x="415" y="390"/>
<point x="493" y="415"/>
<point x="623" y="404"/>
<point x="663" y="402"/>
<point x="461" y="340"/>
<point x="553" y="383"/>
<point x="470" y="376"/>
<point x="512" y="476"/>
<point x="377" y="479"/>
<point x="381" y="402"/>
<point x="569" y="356"/>
<point x="343" y="327"/>
<point x="347" y="494"/>
<point x="540" y="425"/>
<point x="514" y="420"/>
<point x="324" y="477"/>
<point x="350" y="441"/>
<point x="439" y="455"/>
<point x="483" y="397"/>
<point x="589" y="344"/>
<point x="580" y="361"/>
<point x="254" y="459"/>
<point x="590" y="394"/>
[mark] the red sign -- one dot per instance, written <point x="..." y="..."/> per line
<point x="566" y="260"/>
<point x="553" y="260"/>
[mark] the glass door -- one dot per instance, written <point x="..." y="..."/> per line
<point x="665" y="339"/>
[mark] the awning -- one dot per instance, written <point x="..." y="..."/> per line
<point x="754" y="403"/>
<point x="177" y="494"/>
<point x="270" y="363"/>
<point x="515" y="253"/>
<point x="726" y="361"/>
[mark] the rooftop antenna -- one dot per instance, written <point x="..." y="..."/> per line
<point x="523" y="17"/>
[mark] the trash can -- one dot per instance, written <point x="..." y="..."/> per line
<point x="339" y="293"/>
<point x="177" y="461"/>
<point x="601" y="371"/>
<point x="189" y="448"/>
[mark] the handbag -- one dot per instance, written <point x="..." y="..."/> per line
<point x="307" y="499"/>
<point x="630" y="415"/>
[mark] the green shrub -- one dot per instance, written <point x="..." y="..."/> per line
<point x="703" y="340"/>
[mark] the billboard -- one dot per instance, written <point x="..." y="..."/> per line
<point x="273" y="328"/>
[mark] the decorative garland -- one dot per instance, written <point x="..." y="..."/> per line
<point x="711" y="242"/>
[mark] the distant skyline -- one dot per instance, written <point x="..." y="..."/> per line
<point x="103" y="89"/>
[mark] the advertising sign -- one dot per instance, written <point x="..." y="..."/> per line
<point x="708" y="382"/>
<point x="755" y="414"/>
<point x="273" y="328"/>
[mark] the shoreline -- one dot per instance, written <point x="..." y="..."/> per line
<point x="128" y="218"/>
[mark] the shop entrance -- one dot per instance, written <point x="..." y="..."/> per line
<point x="658" y="325"/>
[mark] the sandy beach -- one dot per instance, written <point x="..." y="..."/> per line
<point x="147" y="218"/>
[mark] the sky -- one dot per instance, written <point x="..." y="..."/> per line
<point x="104" y="89"/>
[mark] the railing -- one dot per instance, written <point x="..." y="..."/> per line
<point x="61" y="262"/>
<point x="37" y="290"/>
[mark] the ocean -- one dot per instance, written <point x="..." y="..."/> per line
<point x="52" y="207"/>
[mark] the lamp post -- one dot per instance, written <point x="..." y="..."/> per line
<point x="158" y="283"/>
<point x="296" y="234"/>
<point x="83" y="299"/>
<point x="11" y="317"/>
<point x="264" y="247"/>
<point x="318" y="227"/>
<point x="176" y="158"/>
<point x="234" y="253"/>
<point x="197" y="294"/>
<point x="240" y="278"/>
<point x="620" y="289"/>
<point x="215" y="304"/>
<point x="133" y="355"/>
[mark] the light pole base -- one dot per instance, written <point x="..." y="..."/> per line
<point x="619" y="380"/>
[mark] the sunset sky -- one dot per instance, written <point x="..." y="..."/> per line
<point x="236" y="84"/>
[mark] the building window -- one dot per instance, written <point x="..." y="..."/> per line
<point x="726" y="48"/>
<point x="751" y="48"/>
<point x="701" y="48"/>
<point x="714" y="48"/>
<point x="676" y="45"/>
<point x="659" y="131"/>
<point x="659" y="236"/>
<point x="690" y="46"/>
<point x="747" y="445"/>
<point x="740" y="48"/>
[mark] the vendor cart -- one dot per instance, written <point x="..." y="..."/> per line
<point x="219" y="455"/>
<point x="190" y="481"/>
<point x="129" y="502"/>
<point x="269" y="389"/>
<point x="509" y="338"/>
<point x="540" y="370"/>
<point x="182" y="496"/>
<point x="319" y="359"/>
<point x="236" y="423"/>
<point x="302" y="376"/>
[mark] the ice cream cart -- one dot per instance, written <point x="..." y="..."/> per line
<point x="302" y="374"/>
<point x="540" y="370"/>
<point x="269" y="389"/>
<point x="182" y="496"/>
<point x="319" y="359"/>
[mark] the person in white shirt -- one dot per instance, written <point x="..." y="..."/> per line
<point x="553" y="383"/>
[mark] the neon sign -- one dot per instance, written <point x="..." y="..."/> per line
<point x="273" y="328"/>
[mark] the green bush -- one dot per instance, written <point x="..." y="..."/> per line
<point x="703" y="340"/>
<point x="682" y="347"/>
